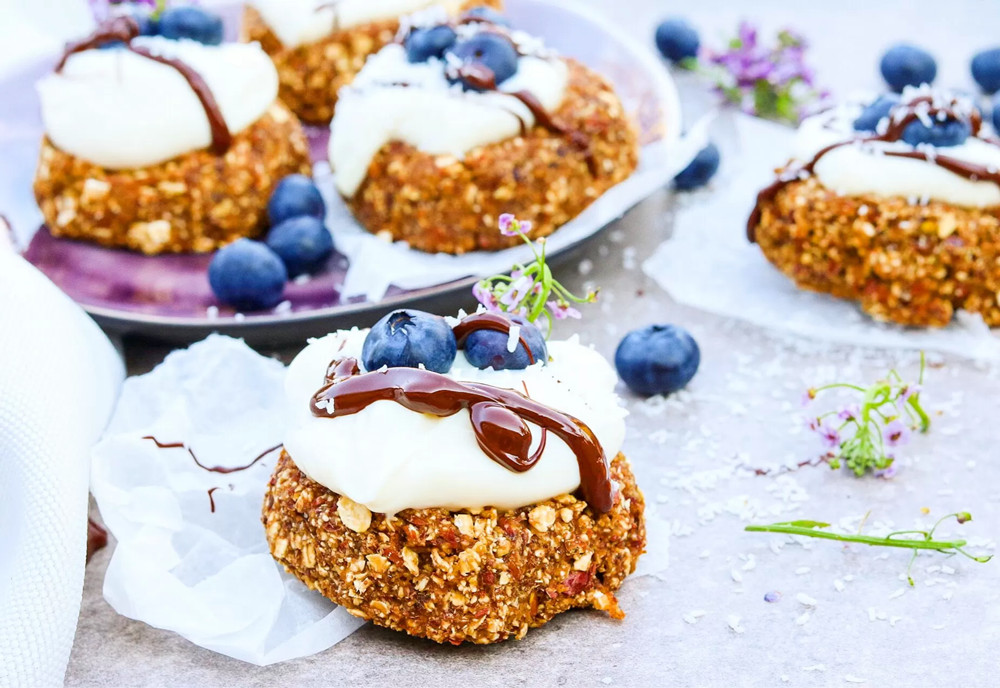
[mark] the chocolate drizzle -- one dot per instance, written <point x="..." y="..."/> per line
<point x="211" y="469"/>
<point x="125" y="29"/>
<point x="481" y="77"/>
<point x="499" y="417"/>
<point x="899" y="119"/>
<point x="488" y="321"/>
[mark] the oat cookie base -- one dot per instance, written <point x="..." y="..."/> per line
<point x="477" y="576"/>
<point x="310" y="75"/>
<point x="443" y="204"/>
<point x="197" y="202"/>
<point x="909" y="264"/>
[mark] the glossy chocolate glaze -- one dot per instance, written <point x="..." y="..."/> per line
<point x="499" y="417"/>
<point x="894" y="132"/>
<point x="125" y="29"/>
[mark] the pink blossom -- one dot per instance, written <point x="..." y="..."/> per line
<point x="828" y="436"/>
<point x="909" y="391"/>
<point x="562" y="310"/>
<point x="516" y="292"/>
<point x="896" y="434"/>
<point x="485" y="297"/>
<point x="849" y="412"/>
<point x="508" y="225"/>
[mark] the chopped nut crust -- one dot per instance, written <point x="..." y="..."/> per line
<point x="196" y="202"/>
<point x="457" y="577"/>
<point x="910" y="264"/>
<point x="310" y="75"/>
<point x="440" y="203"/>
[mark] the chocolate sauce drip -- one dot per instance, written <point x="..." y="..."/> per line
<point x="97" y="538"/>
<point x="211" y="499"/>
<point x="499" y="418"/>
<point x="488" y="321"/>
<point x="893" y="133"/>
<point x="482" y="78"/>
<point x="335" y="6"/>
<point x="125" y="29"/>
<point x="211" y="469"/>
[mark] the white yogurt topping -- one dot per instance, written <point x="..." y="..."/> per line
<point x="120" y="110"/>
<point x="430" y="114"/>
<point x="855" y="170"/>
<point x="390" y="458"/>
<point x="297" y="22"/>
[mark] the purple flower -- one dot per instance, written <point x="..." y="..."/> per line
<point x="562" y="310"/>
<point x="886" y="473"/>
<point x="516" y="292"/>
<point x="808" y="396"/>
<point x="828" y="436"/>
<point x="849" y="412"/>
<point x="485" y="297"/>
<point x="508" y="225"/>
<point x="908" y="391"/>
<point x="896" y="434"/>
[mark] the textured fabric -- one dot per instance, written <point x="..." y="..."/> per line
<point x="59" y="377"/>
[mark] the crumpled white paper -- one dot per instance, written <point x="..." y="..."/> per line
<point x="179" y="566"/>
<point x="709" y="264"/>
<point x="376" y="264"/>
<point x="209" y="576"/>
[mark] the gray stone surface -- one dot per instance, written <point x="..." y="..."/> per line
<point x="742" y="408"/>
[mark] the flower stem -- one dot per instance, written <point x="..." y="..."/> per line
<point x="873" y="541"/>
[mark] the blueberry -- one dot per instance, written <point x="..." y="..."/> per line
<point x="659" y="359"/>
<point x="488" y="348"/>
<point x="875" y="112"/>
<point x="996" y="112"/>
<point x="295" y="195"/>
<point x="408" y="338"/>
<point x="491" y="50"/>
<point x="942" y="134"/>
<point x="423" y="44"/>
<point x="677" y="40"/>
<point x="248" y="275"/>
<point x="303" y="244"/>
<point x="147" y="25"/>
<point x="193" y="23"/>
<point x="986" y="70"/>
<point x="487" y="15"/>
<point x="702" y="168"/>
<point x="908" y="65"/>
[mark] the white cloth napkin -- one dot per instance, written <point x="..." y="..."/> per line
<point x="59" y="378"/>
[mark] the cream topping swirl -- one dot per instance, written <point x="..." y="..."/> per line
<point x="390" y="459"/>
<point x="394" y="100"/>
<point x="298" y="22"/>
<point x="120" y="110"/>
<point x="854" y="170"/>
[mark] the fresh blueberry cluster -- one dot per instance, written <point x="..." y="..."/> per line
<point x="411" y="339"/>
<point x="250" y="275"/>
<point x="659" y="359"/>
<point x="875" y="112"/>
<point x="185" y="22"/>
<point x="491" y="49"/>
